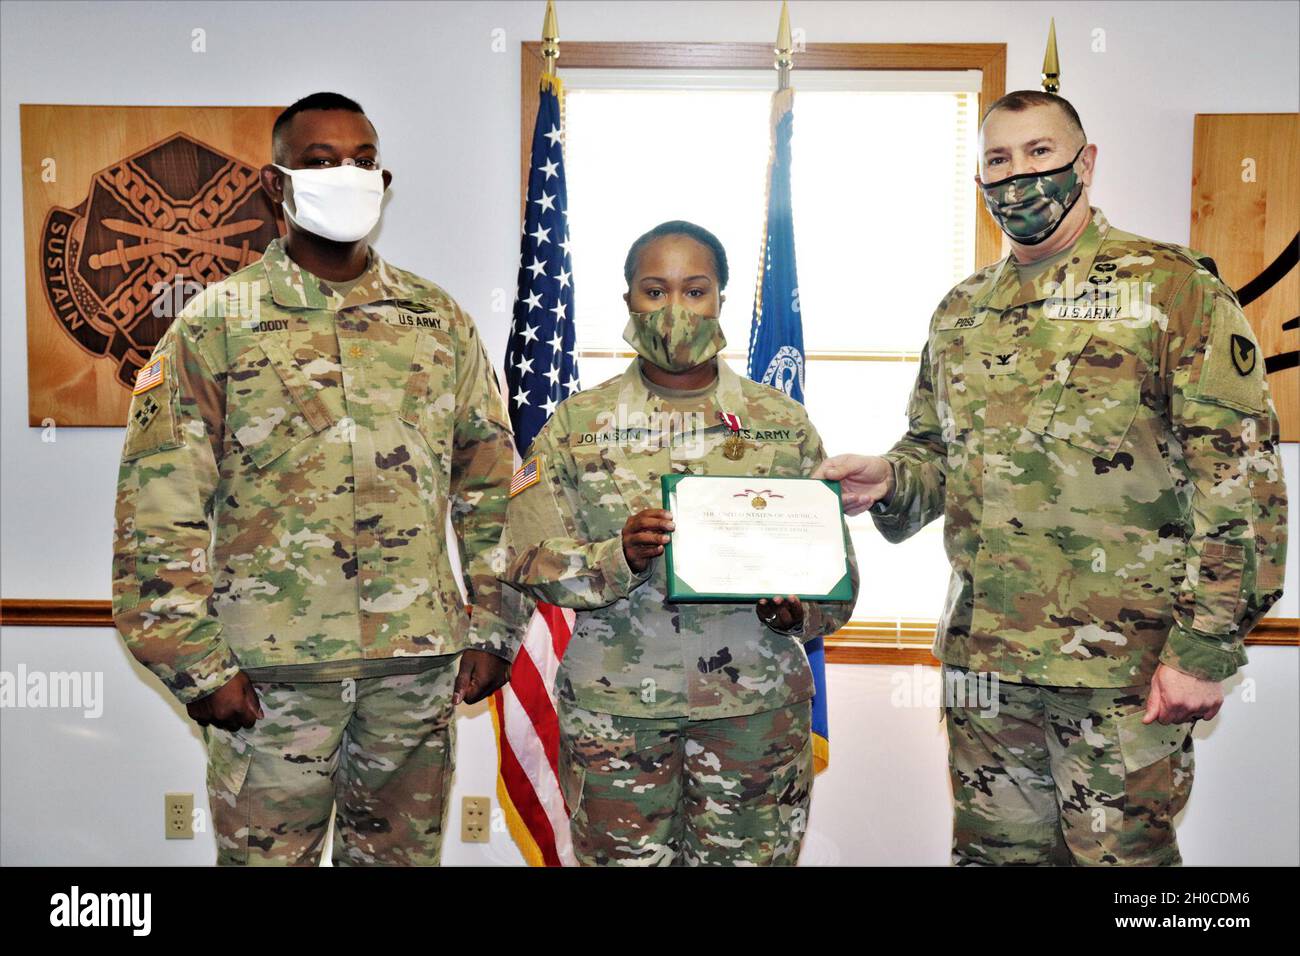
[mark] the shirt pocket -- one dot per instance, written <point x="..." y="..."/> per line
<point x="606" y="503"/>
<point x="271" y="404"/>
<point x="429" y="400"/>
<point x="954" y="370"/>
<point x="1091" y="397"/>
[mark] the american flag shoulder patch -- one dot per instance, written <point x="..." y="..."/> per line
<point x="152" y="374"/>
<point x="529" y="474"/>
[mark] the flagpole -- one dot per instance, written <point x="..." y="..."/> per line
<point x="524" y="718"/>
<point x="784" y="49"/>
<point x="782" y="103"/>
<point x="1051" y="64"/>
<point x="776" y="350"/>
<point x="550" y="38"/>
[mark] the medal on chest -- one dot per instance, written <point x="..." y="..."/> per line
<point x="733" y="446"/>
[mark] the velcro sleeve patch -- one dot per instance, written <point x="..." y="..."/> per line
<point x="151" y="423"/>
<point x="1231" y="370"/>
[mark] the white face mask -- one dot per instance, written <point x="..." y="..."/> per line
<point x="337" y="202"/>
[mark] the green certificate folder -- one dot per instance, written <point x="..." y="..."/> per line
<point x="739" y="539"/>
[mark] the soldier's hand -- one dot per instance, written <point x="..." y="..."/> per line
<point x="644" y="537"/>
<point x="864" y="480"/>
<point x="231" y="706"/>
<point x="783" y="614"/>
<point x="1177" y="697"/>
<point x="481" y="673"/>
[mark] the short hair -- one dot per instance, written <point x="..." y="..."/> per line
<point x="1019" y="100"/>
<point x="314" y="101"/>
<point x="679" y="227"/>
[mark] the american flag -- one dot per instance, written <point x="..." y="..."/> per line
<point x="541" y="372"/>
<point x="540" y="368"/>
<point x="525" y="477"/>
<point x="149" y="376"/>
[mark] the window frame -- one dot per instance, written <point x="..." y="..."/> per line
<point x="862" y="642"/>
<point x="989" y="58"/>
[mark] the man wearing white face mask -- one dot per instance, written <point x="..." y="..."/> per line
<point x="293" y="450"/>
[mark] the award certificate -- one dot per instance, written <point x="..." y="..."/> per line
<point x="739" y="539"/>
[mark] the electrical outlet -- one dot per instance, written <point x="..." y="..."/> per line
<point x="474" y="813"/>
<point x="178" y="816"/>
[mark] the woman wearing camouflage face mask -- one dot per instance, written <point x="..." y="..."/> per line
<point x="685" y="729"/>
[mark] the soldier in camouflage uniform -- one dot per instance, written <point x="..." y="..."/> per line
<point x="293" y="449"/>
<point x="1092" y="421"/>
<point x="685" y="728"/>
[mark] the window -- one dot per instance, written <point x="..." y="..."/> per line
<point x="885" y="223"/>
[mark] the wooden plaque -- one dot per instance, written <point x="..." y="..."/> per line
<point x="1246" y="215"/>
<point x="128" y="211"/>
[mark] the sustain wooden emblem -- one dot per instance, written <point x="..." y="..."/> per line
<point x="152" y="228"/>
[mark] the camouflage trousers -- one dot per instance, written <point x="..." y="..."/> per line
<point x="1064" y="776"/>
<point x="665" y="792"/>
<point x="381" y="750"/>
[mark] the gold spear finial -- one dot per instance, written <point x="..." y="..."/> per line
<point x="550" y="38"/>
<point x="1051" y="65"/>
<point x="784" y="49"/>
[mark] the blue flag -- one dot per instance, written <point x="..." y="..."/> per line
<point x="776" y="336"/>
<point x="541" y="370"/>
<point x="776" y="354"/>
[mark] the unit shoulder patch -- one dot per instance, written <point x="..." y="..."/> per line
<point x="1243" y="354"/>
<point x="1230" y="371"/>
<point x="151" y="425"/>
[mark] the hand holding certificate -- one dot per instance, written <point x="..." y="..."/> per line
<point x="741" y="539"/>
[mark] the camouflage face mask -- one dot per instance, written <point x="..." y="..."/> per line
<point x="674" y="338"/>
<point x="1029" y="207"/>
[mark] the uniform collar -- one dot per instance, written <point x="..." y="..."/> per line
<point x="727" y="392"/>
<point x="1008" y="290"/>
<point x="293" y="287"/>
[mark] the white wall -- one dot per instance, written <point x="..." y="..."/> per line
<point x="447" y="108"/>
<point x="76" y="790"/>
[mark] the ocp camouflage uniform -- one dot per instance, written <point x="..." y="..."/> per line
<point x="381" y="750"/>
<point x="281" y="507"/>
<point x="685" y="728"/>
<point x="1099" y="438"/>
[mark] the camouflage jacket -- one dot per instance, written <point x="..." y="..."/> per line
<point x="633" y="654"/>
<point x="287" y="476"/>
<point x="1101" y="443"/>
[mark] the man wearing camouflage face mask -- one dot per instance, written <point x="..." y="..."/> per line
<point x="1092" y="422"/>
<point x="685" y="729"/>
